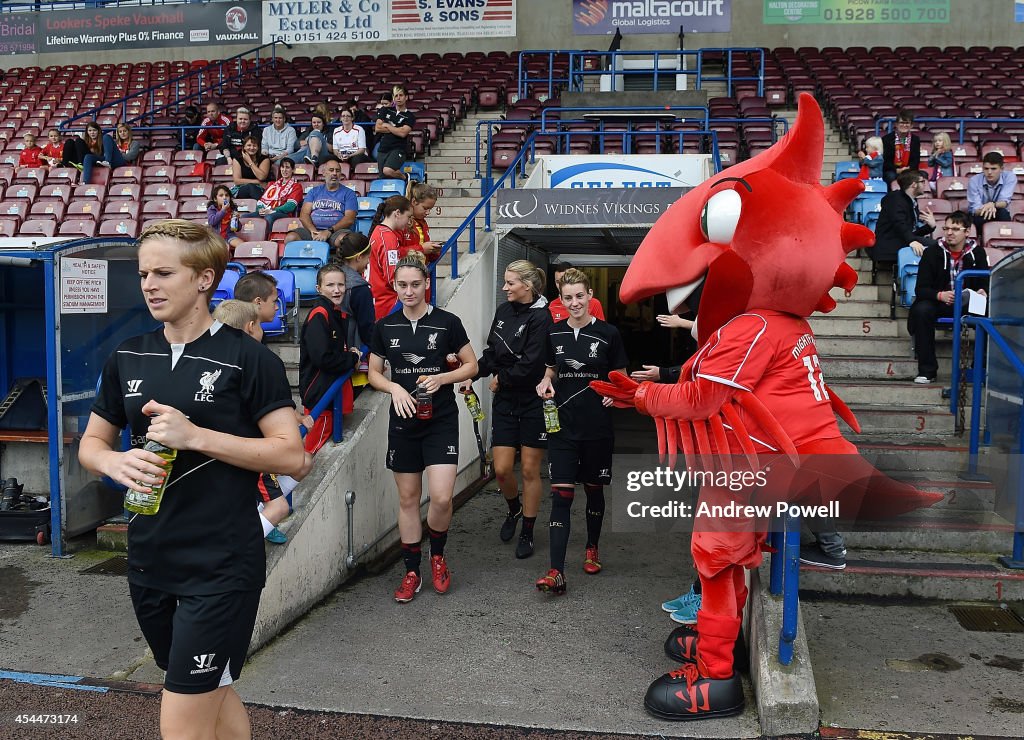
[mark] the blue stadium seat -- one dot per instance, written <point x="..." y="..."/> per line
<point x="303" y="259"/>
<point x="363" y="225"/>
<point x="225" y="288"/>
<point x="864" y="204"/>
<point x="904" y="280"/>
<point x="416" y="170"/>
<point x="387" y="187"/>
<point x="368" y="205"/>
<point x="287" y="305"/>
<point x="846" y="169"/>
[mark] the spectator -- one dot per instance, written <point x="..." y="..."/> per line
<point x="900" y="223"/>
<point x="558" y="310"/>
<point x="282" y="197"/>
<point x="941" y="158"/>
<point x="901" y="150"/>
<point x="222" y="216"/>
<point x="190" y="118"/>
<point x="31" y="155"/>
<point x="989" y="192"/>
<point x="387" y="238"/>
<point x="324" y="353"/>
<point x="260" y="289"/>
<point x="350" y="140"/>
<point x="210" y="139"/>
<point x="871" y="159"/>
<point x="77" y="147"/>
<point x="355" y="252"/>
<point x="119" y="152"/>
<point x="235" y="135"/>
<point x="362" y="120"/>
<point x="279" y="138"/>
<point x="394" y="126"/>
<point x="251" y="171"/>
<point x="314" y="144"/>
<point x="328" y="211"/>
<point x="423" y="198"/>
<point x="940" y="265"/>
<point x="53" y="149"/>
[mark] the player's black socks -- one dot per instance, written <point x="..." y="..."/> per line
<point x="515" y="506"/>
<point x="411" y="553"/>
<point x="437" y="541"/>
<point x="595" y="512"/>
<point x="558" y="528"/>
<point x="696" y="585"/>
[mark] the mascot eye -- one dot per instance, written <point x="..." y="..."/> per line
<point x="720" y="215"/>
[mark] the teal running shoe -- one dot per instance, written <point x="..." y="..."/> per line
<point x="688" y="614"/>
<point x="277" y="537"/>
<point x="676" y="604"/>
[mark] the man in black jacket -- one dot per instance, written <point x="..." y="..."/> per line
<point x="940" y="265"/>
<point x="900" y="222"/>
<point x="235" y="135"/>
<point x="901" y="150"/>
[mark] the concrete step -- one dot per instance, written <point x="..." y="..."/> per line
<point x="867" y="368"/>
<point x="828" y="325"/>
<point x="899" y="455"/>
<point x="960" y="496"/>
<point x="849" y="308"/>
<point x="928" y="575"/>
<point x="908" y="420"/>
<point x="875" y="346"/>
<point x="864" y="292"/>
<point x="892" y="393"/>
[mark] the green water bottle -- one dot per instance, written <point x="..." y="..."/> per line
<point x="551" y="424"/>
<point x="149" y="503"/>
<point x="473" y="404"/>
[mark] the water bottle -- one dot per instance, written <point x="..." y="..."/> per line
<point x="452" y="362"/>
<point x="424" y="403"/>
<point x="551" y="424"/>
<point x="473" y="404"/>
<point x="236" y="223"/>
<point x="149" y="503"/>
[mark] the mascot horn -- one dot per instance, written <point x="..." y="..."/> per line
<point x="768" y="242"/>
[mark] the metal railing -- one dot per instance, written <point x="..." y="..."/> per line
<point x="332" y="399"/>
<point x="785" y="581"/>
<point x="180" y="98"/>
<point x="582" y="65"/>
<point x="553" y="82"/>
<point x="884" y="125"/>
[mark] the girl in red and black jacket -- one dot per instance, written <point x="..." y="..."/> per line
<point x="324" y="354"/>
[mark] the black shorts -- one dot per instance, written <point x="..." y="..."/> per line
<point x="517" y="421"/>
<point x="414" y="445"/>
<point x="268" y="488"/>
<point x="393" y="159"/>
<point x="201" y="641"/>
<point x="580" y="461"/>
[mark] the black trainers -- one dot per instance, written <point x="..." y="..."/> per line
<point x="814" y="555"/>
<point x="525" y="547"/>
<point x="683" y="694"/>
<point x="508" y="527"/>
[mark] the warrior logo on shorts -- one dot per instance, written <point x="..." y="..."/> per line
<point x="593" y="349"/>
<point x="452" y="450"/>
<point x="543" y="436"/>
<point x="605" y="472"/>
<point x="391" y="458"/>
<point x="432" y="341"/>
<point x="206" y="381"/>
<point x="204" y="663"/>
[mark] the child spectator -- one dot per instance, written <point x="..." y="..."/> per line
<point x="387" y="239"/>
<point x="31" y="155"/>
<point x="358" y="304"/>
<point x="941" y="158"/>
<point x="423" y="198"/>
<point x="272" y="506"/>
<point x="222" y="216"/>
<point x="259" y="289"/>
<point x="871" y="159"/>
<point x="282" y="197"/>
<point x="324" y="353"/>
<point x="78" y="148"/>
<point x="53" y="149"/>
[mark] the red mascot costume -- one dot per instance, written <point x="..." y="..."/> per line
<point x="768" y="242"/>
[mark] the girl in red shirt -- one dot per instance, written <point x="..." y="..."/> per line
<point x="387" y="244"/>
<point x="53" y="150"/>
<point x="423" y="198"/>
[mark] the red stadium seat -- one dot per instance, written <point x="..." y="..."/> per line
<point x="160" y="190"/>
<point x="257" y="255"/>
<point x="119" y="227"/>
<point x="84" y="209"/>
<point x="254" y="229"/>
<point x="193" y="206"/>
<point x="48" y="209"/>
<point x="195" y="190"/>
<point x="38" y="227"/>
<point x="158" y="173"/>
<point x="123" y="209"/>
<point x="59" y="175"/>
<point x="129" y="191"/>
<point x="126" y="174"/>
<point x="160" y="209"/>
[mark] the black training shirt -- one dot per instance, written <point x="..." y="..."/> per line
<point x="389" y="141"/>
<point x="207" y="537"/>
<point x="413" y="352"/>
<point x="579" y="356"/>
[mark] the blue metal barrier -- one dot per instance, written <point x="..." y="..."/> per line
<point x="785" y="581"/>
<point x="332" y="398"/>
<point x="524" y="81"/>
<point x="958" y="314"/>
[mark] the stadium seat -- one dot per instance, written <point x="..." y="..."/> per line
<point x="47" y="209"/>
<point x="121" y="209"/>
<point x="253" y="229"/>
<point x="160" y="209"/>
<point x="368" y="171"/>
<point x="256" y="255"/>
<point x="157" y="156"/>
<point x="416" y="170"/>
<point x="38" y="227"/>
<point x="225" y="288"/>
<point x="1003" y="234"/>
<point x="386" y="187"/>
<point x="303" y="259"/>
<point x="8" y="226"/>
<point x="283" y="225"/>
<point x="66" y="175"/>
<point x="122" y="191"/>
<point x="847" y="169"/>
<point x="195" y="190"/>
<point x="158" y="173"/>
<point x="78" y="227"/>
<point x="128" y="174"/>
<point x="160" y="190"/>
<point x="90" y="191"/>
<point x="84" y="209"/>
<point x="30" y="176"/>
<point x="14" y="209"/>
<point x="286" y="296"/>
<point x="904" y="280"/>
<point x="193" y="206"/>
<point x="368" y="206"/>
<point x="119" y="227"/>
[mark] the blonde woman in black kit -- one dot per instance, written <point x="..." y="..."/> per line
<point x="515" y="354"/>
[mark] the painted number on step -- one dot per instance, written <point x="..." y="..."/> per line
<point x="889" y="370"/>
<point x="865" y="327"/>
<point x="919" y="427"/>
<point x="469" y="160"/>
<point x="455" y="175"/>
<point x="440" y="192"/>
<point x="438" y="210"/>
<point x="999" y="590"/>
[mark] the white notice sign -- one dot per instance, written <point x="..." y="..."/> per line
<point x="83" y="285"/>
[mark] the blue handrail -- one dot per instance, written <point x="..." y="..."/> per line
<point x="331" y="398"/>
<point x="150" y="91"/>
<point x="785" y="580"/>
<point x="524" y="81"/>
<point x="888" y="122"/>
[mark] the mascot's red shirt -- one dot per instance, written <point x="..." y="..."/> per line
<point x="773" y="354"/>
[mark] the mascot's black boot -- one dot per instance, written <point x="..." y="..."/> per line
<point x="684" y="694"/>
<point x="681" y="646"/>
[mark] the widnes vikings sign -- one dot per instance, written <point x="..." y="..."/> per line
<point x="604" y="206"/>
